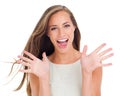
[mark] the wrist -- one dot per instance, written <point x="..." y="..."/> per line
<point x="45" y="78"/>
<point x="86" y="83"/>
<point x="44" y="86"/>
<point x="86" y="73"/>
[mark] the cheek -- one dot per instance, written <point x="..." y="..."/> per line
<point x="52" y="38"/>
<point x="72" y="37"/>
<point x="71" y="34"/>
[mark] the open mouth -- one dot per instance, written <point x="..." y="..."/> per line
<point x="62" y="43"/>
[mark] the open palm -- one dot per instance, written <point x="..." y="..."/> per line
<point x="94" y="59"/>
<point x="36" y="66"/>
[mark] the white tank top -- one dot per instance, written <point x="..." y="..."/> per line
<point x="65" y="79"/>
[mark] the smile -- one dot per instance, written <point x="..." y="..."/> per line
<point x="62" y="41"/>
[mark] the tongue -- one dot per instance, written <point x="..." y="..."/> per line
<point x="62" y="44"/>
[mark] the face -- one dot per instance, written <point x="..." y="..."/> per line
<point x="61" y="31"/>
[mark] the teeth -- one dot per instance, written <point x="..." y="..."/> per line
<point x="62" y="40"/>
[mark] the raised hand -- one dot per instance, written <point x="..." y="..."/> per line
<point x="94" y="60"/>
<point x="36" y="66"/>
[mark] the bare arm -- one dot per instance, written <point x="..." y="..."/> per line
<point x="39" y="74"/>
<point x="91" y="85"/>
<point x="86" y="84"/>
<point x="44" y="86"/>
<point x="96" y="82"/>
<point x="92" y="70"/>
<point x="34" y="84"/>
<point x="39" y="87"/>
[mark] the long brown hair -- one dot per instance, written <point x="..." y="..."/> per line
<point x="39" y="42"/>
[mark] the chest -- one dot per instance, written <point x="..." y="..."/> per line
<point x="65" y="79"/>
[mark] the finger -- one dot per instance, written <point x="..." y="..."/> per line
<point x="25" y="59"/>
<point x="19" y="61"/>
<point x="44" y="57"/>
<point x="26" y="64"/>
<point x="25" y="71"/>
<point x="106" y="65"/>
<point x="30" y="55"/>
<point x="105" y="51"/>
<point x="99" y="48"/>
<point x="106" y="57"/>
<point x="84" y="50"/>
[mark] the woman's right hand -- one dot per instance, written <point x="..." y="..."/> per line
<point x="35" y="66"/>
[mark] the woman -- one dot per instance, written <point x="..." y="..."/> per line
<point x="54" y="66"/>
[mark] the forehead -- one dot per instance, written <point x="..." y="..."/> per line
<point x="59" y="17"/>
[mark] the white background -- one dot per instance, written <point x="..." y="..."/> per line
<point x="98" y="20"/>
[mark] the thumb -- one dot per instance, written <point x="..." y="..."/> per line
<point x="44" y="57"/>
<point x="84" y="51"/>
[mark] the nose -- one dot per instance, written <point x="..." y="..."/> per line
<point x="61" y="32"/>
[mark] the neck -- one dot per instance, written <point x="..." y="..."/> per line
<point x="66" y="57"/>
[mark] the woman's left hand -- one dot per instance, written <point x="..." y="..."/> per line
<point x="94" y="60"/>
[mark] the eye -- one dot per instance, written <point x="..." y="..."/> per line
<point x="67" y="25"/>
<point x="53" y="28"/>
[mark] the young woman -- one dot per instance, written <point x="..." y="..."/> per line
<point x="53" y="63"/>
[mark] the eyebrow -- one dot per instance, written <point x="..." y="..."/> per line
<point x="56" y="25"/>
<point x="65" y="23"/>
